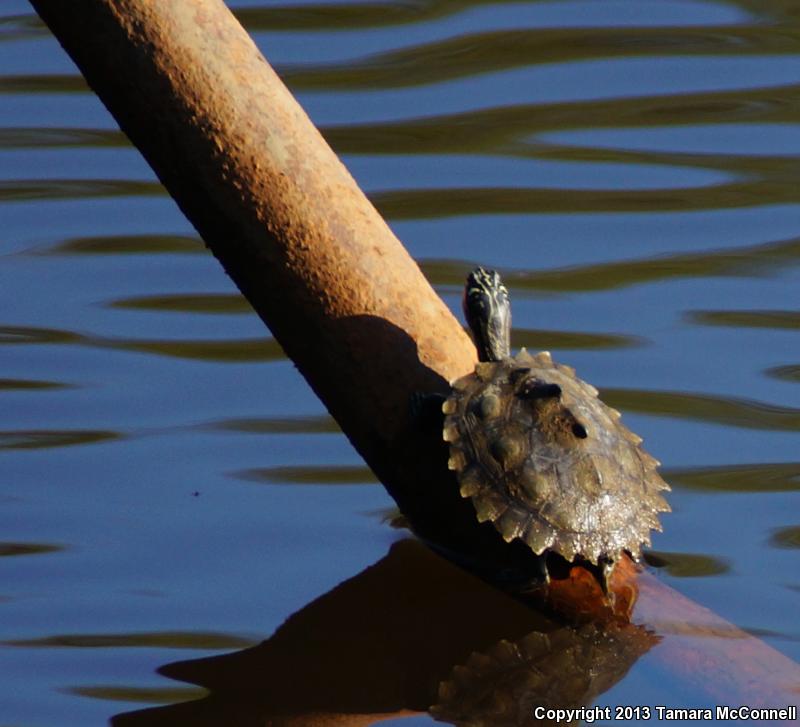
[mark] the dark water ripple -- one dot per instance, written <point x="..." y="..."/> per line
<point x="309" y="475"/>
<point x="31" y="190"/>
<point x="508" y="127"/>
<point x="14" y="549"/>
<point x="324" y="424"/>
<point x="48" y="438"/>
<point x="21" y="27"/>
<point x="749" y="261"/>
<point x="788" y="537"/>
<point x="472" y="54"/>
<point x="249" y="350"/>
<point x="785" y="373"/>
<point x="352" y="16"/>
<point x="412" y="204"/>
<point x="44" y="83"/>
<point x="777" y="319"/>
<point x="157" y="639"/>
<point x="222" y="303"/>
<point x="61" y="138"/>
<point x="687" y="565"/>
<point x="127" y="245"/>
<point x="759" y="477"/>
<point x="220" y="351"/>
<point x="729" y="411"/>
<point x="143" y="695"/>
<point x="12" y="335"/>
<point x="543" y="340"/>
<point x="31" y="385"/>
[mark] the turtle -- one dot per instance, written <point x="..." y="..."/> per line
<point x="539" y="454"/>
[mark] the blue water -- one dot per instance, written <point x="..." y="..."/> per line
<point x="171" y="489"/>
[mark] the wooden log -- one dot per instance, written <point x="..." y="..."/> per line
<point x="322" y="269"/>
<point x="275" y="205"/>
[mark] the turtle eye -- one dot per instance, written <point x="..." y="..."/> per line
<point x="579" y="430"/>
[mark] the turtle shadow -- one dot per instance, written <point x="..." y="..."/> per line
<point x="407" y="633"/>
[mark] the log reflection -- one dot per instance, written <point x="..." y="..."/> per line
<point x="410" y="632"/>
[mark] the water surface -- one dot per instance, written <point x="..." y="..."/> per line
<point x="171" y="489"/>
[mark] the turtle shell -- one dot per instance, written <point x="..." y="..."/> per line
<point x="547" y="462"/>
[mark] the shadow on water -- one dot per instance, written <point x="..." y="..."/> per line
<point x="409" y="634"/>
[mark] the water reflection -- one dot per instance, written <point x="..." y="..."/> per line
<point x="323" y="424"/>
<point x="309" y="475"/>
<point x="30" y="385"/>
<point x="44" y="83"/>
<point x="538" y="340"/>
<point x="785" y="373"/>
<point x="159" y="639"/>
<point x="15" y="549"/>
<point x="220" y="304"/>
<point x="788" y="537"/>
<point x="127" y="245"/>
<point x="729" y="411"/>
<point x="34" y="138"/>
<point x="219" y="351"/>
<point x="21" y="27"/>
<point x="563" y="669"/>
<point x="29" y="190"/>
<point x="687" y="565"/>
<point x="409" y="632"/>
<point x="754" y="260"/>
<point x="777" y="319"/>
<point x="591" y="86"/>
<point x="44" y="439"/>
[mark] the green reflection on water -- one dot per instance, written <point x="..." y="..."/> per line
<point x="788" y="537"/>
<point x="471" y="54"/>
<point x="15" y="28"/>
<point x="45" y="439"/>
<point x="513" y="128"/>
<point x="31" y="385"/>
<point x="687" y="565"/>
<point x="785" y="373"/>
<point x="219" y="351"/>
<point x="61" y="138"/>
<point x="156" y="639"/>
<point x="309" y="475"/>
<point x="127" y="245"/>
<point x="778" y="319"/>
<point x="729" y="411"/>
<point x="409" y="204"/>
<point x="221" y="303"/>
<point x="323" y="424"/>
<point x="766" y="477"/>
<point x="148" y="695"/>
<point x="350" y="16"/>
<point x="34" y="335"/>
<point x="44" y="83"/>
<point x="248" y="350"/>
<point x="30" y="190"/>
<point x="538" y="340"/>
<point x="14" y="549"/>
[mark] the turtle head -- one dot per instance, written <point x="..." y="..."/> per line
<point x="488" y="313"/>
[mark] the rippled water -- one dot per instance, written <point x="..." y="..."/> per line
<point x="170" y="486"/>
